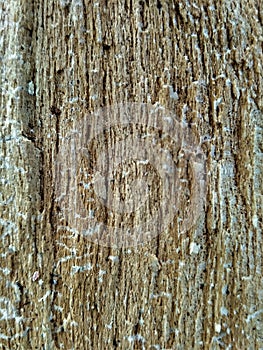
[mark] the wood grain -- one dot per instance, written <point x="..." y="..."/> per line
<point x="60" y="61"/>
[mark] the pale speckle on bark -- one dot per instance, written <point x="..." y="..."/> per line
<point x="63" y="59"/>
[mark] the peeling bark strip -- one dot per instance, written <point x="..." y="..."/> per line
<point x="63" y="60"/>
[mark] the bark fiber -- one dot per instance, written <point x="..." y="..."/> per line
<point x="61" y="60"/>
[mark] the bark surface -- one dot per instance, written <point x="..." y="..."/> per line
<point x="61" y="60"/>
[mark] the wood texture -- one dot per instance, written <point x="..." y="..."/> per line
<point x="63" y="59"/>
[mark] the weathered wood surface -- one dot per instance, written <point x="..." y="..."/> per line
<point x="63" y="59"/>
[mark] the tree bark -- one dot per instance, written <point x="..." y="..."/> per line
<point x="63" y="60"/>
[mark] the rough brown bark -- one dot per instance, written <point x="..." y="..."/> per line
<point x="63" y="59"/>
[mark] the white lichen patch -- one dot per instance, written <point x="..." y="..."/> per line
<point x="31" y="88"/>
<point x="194" y="248"/>
<point x="75" y="269"/>
<point x="217" y="327"/>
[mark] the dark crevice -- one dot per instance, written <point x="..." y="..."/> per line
<point x="159" y="5"/>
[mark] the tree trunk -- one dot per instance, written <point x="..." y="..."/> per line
<point x="188" y="280"/>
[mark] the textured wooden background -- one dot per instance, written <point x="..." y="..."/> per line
<point x="63" y="59"/>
